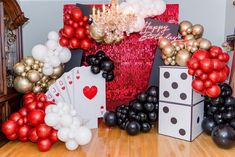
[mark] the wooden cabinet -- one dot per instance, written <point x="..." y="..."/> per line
<point x="11" y="21"/>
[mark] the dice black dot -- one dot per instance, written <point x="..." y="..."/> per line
<point x="165" y="109"/>
<point x="182" y="132"/>
<point x="166" y="94"/>
<point x="183" y="96"/>
<point x="198" y="120"/>
<point x="183" y="76"/>
<point x="173" y="120"/>
<point x="166" y="74"/>
<point x="174" y="85"/>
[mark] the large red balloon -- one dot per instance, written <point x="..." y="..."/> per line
<point x="76" y="14"/>
<point x="12" y="137"/>
<point x="20" y="121"/>
<point x="68" y="31"/>
<point x="198" y="85"/>
<point x="31" y="106"/>
<point x="44" y="144"/>
<point x="214" y="77"/>
<point x="86" y="44"/>
<point x="9" y="127"/>
<point x="36" y="117"/>
<point x="217" y="64"/>
<point x="206" y="65"/>
<point x="193" y="63"/>
<point x="222" y="76"/>
<point x="226" y="57"/>
<point x="53" y="136"/>
<point x="201" y="54"/>
<point x="80" y="33"/>
<point x="23" y="111"/>
<point x="33" y="137"/>
<point x="74" y="43"/>
<point x="208" y="83"/>
<point x="23" y="131"/>
<point x="213" y="91"/>
<point x="215" y="51"/>
<point x="15" y="116"/>
<point x="226" y="69"/>
<point x="43" y="131"/>
<point x="64" y="41"/>
<point x="41" y="97"/>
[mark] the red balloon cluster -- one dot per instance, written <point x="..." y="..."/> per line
<point x="28" y="123"/>
<point x="209" y="69"/>
<point x="75" y="33"/>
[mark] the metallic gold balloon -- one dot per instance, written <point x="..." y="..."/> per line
<point x="44" y="85"/>
<point x="190" y="42"/>
<point x="163" y="56"/>
<point x="173" y="57"/>
<point x="41" y="64"/>
<point x="182" y="57"/>
<point x="57" y="72"/>
<point x="166" y="62"/>
<point x="184" y="25"/>
<point x="193" y="49"/>
<point x="169" y="60"/>
<point x="35" y="66"/>
<point x="33" y="76"/>
<point x="197" y="30"/>
<point x="168" y="50"/>
<point x="37" y="62"/>
<point x="96" y="32"/>
<point x="19" y="68"/>
<point x="49" y="83"/>
<point x="174" y="43"/>
<point x="188" y="37"/>
<point x="177" y="48"/>
<point x="23" y="74"/>
<point x="44" y="78"/>
<point x="182" y="45"/>
<point x="204" y="44"/>
<point x="40" y="70"/>
<point x="29" y="60"/>
<point x="188" y="48"/>
<point x="37" y="89"/>
<point x="189" y="30"/>
<point x="173" y="62"/>
<point x="163" y="42"/>
<point x="27" y="68"/>
<point x="183" y="33"/>
<point x="22" y="84"/>
<point x="196" y="43"/>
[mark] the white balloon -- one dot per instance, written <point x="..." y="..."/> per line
<point x="72" y="134"/>
<point x="53" y="36"/>
<point x="39" y="52"/>
<point x="66" y="120"/>
<point x="63" y="134"/>
<point x="73" y="112"/>
<point x="47" y="70"/>
<point x="49" y="109"/>
<point x="65" y="55"/>
<point x="52" y="44"/>
<point x="83" y="136"/>
<point x="71" y="145"/>
<point x="57" y="127"/>
<point x="54" y="61"/>
<point x="51" y="119"/>
<point x="59" y="48"/>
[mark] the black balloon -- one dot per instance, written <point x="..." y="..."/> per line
<point x="153" y="91"/>
<point x="227" y="115"/>
<point x="229" y="101"/>
<point x="208" y="124"/>
<point x="152" y="116"/>
<point x="145" y="127"/>
<point x="110" y="118"/>
<point x="110" y="76"/>
<point x="217" y="101"/>
<point x="91" y="59"/>
<point x="133" y="128"/>
<point x="150" y="99"/>
<point x="107" y="65"/>
<point x="105" y="74"/>
<point x="224" y="136"/>
<point x="137" y="106"/>
<point x="142" y="97"/>
<point x="218" y="117"/>
<point x="100" y="53"/>
<point x="232" y="123"/>
<point x="95" y="69"/>
<point x="149" y="106"/>
<point x="90" y="20"/>
<point x="143" y="116"/>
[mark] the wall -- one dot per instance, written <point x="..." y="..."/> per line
<point x="217" y="16"/>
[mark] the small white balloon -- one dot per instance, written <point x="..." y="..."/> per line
<point x="54" y="61"/>
<point x="52" y="44"/>
<point x="66" y="120"/>
<point x="71" y="145"/>
<point x="39" y="52"/>
<point x="49" y="109"/>
<point x="73" y="112"/>
<point x="51" y="119"/>
<point x="83" y="136"/>
<point x="47" y="70"/>
<point x="63" y="134"/>
<point x="53" y="36"/>
<point x="71" y="134"/>
<point x="65" y="55"/>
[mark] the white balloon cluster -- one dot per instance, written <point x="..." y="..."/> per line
<point x="142" y="9"/>
<point x="51" y="54"/>
<point x="63" y="117"/>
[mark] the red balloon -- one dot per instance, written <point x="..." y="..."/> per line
<point x="12" y="137"/>
<point x="217" y="64"/>
<point x="44" y="144"/>
<point x="66" y="16"/>
<point x="28" y="95"/>
<point x="20" y="121"/>
<point x="80" y="33"/>
<point x="198" y="72"/>
<point x="25" y="120"/>
<point x="28" y="100"/>
<point x="36" y="117"/>
<point x="43" y="131"/>
<point x="208" y="83"/>
<point x="23" y="131"/>
<point x="33" y="137"/>
<point x="214" y="76"/>
<point x="213" y="91"/>
<point x="68" y="31"/>
<point x="215" y="51"/>
<point x="191" y="71"/>
<point x="15" y="116"/>
<point x="201" y="54"/>
<point x="74" y="43"/>
<point x="75" y="25"/>
<point x="53" y="136"/>
<point x="204" y="77"/>
<point x="23" y="139"/>
<point x="206" y="65"/>
<point x="41" y="97"/>
<point x="226" y="69"/>
<point x="40" y="105"/>
<point x="81" y="24"/>
<point x="9" y="127"/>
<point x="221" y="57"/>
<point x="69" y="22"/>
<point x="198" y="85"/>
<point x="226" y="57"/>
<point x="76" y="14"/>
<point x="222" y="76"/>
<point x="85" y="18"/>
<point x="193" y="63"/>
<point x="23" y="111"/>
<point x="64" y="42"/>
<point x="86" y="44"/>
<point x="31" y="106"/>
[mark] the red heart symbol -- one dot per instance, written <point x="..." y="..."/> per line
<point x="57" y="94"/>
<point x="90" y="92"/>
<point x="53" y="100"/>
<point x="78" y="77"/>
<point x="63" y="88"/>
<point x="70" y="82"/>
<point x="101" y="107"/>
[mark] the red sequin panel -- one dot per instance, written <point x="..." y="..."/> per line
<point x="133" y="62"/>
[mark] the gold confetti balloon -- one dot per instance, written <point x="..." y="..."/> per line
<point x="182" y="57"/>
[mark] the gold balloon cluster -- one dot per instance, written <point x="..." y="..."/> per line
<point x="29" y="76"/>
<point x="178" y="52"/>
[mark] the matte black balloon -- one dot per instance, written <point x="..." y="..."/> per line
<point x="142" y="97"/>
<point x="91" y="59"/>
<point x="110" y="118"/>
<point x="143" y="116"/>
<point x="224" y="136"/>
<point x="229" y="101"/>
<point x="208" y="124"/>
<point x="145" y="127"/>
<point x="137" y="106"/>
<point x="107" y="65"/>
<point x="133" y="128"/>
<point x="95" y="69"/>
<point x="149" y="106"/>
<point x="217" y="101"/>
<point x="153" y="91"/>
<point x="152" y="116"/>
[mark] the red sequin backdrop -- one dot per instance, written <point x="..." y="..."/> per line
<point x="133" y="62"/>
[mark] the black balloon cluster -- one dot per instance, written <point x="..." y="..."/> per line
<point x="100" y="62"/>
<point x="219" y="119"/>
<point x="139" y="115"/>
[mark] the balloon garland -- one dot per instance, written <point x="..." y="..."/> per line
<point x="138" y="116"/>
<point x="219" y="119"/>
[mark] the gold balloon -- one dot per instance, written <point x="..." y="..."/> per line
<point x="189" y="30"/>
<point x="24" y="74"/>
<point x="40" y="70"/>
<point x="184" y="25"/>
<point x="205" y="44"/>
<point x="44" y="78"/>
<point x="27" y="68"/>
<point x="177" y="48"/>
<point x="37" y="89"/>
<point x="174" y="43"/>
<point x="168" y="50"/>
<point x="19" y="68"/>
<point x="35" y="66"/>
<point x="49" y="83"/>
<point x="163" y="42"/>
<point x="33" y="76"/>
<point x="184" y="33"/>
<point x="189" y="37"/>
<point x="193" y="49"/>
<point x="109" y="39"/>
<point x="57" y="72"/>
<point x="197" y="30"/>
<point x="44" y="85"/>
<point x="96" y="32"/>
<point x="163" y="56"/>
<point x="37" y="62"/>
<point x="173" y="57"/>
<point x="181" y="45"/>
<point x="188" y="48"/>
<point x="41" y="64"/>
<point x="196" y="43"/>
<point x="22" y="84"/>
<point x="169" y="60"/>
<point x="190" y="42"/>
<point x="182" y="57"/>
<point x="29" y="60"/>
<point x="173" y="63"/>
<point x="166" y="62"/>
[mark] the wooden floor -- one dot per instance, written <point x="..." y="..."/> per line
<point x="116" y="143"/>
